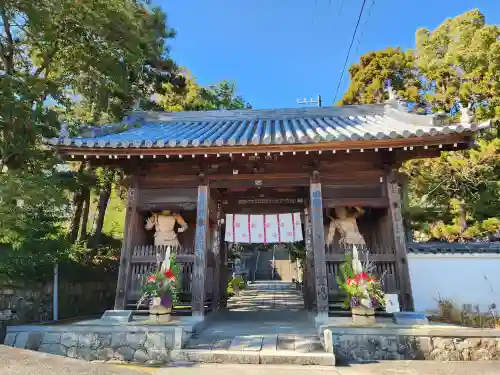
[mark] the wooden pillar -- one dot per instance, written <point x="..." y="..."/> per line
<point x="200" y="252"/>
<point x="318" y="242"/>
<point x="216" y="247"/>
<point x="122" y="284"/>
<point x="308" y="263"/>
<point x="399" y="237"/>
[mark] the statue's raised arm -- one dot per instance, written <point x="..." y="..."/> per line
<point x="179" y="219"/>
<point x="348" y="227"/>
<point x="164" y="224"/>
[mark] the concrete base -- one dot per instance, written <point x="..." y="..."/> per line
<point x="139" y="342"/>
<point x="321" y="318"/>
<point x="388" y="341"/>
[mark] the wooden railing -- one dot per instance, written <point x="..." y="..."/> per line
<point x="384" y="260"/>
<point x="147" y="258"/>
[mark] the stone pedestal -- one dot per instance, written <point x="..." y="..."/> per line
<point x="160" y="313"/>
<point x="363" y="316"/>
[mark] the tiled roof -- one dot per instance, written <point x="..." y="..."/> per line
<point x="262" y="127"/>
<point x="454" y="248"/>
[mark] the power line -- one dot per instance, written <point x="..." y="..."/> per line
<point x="363" y="26"/>
<point x="349" y="51"/>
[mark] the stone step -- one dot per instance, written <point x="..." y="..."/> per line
<point x="253" y="357"/>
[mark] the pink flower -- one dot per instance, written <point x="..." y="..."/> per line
<point x="151" y="279"/>
<point x="352" y="282"/>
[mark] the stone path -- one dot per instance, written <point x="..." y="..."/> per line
<point x="26" y="362"/>
<point x="265" y="324"/>
<point x="381" y="368"/>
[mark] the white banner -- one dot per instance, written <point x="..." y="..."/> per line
<point x="277" y="228"/>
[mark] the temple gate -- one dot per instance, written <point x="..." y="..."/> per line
<point x="202" y="165"/>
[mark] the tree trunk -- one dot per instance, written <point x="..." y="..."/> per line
<point x="104" y="196"/>
<point x="462" y="218"/>
<point x="77" y="205"/>
<point x="85" y="214"/>
<point x="77" y="216"/>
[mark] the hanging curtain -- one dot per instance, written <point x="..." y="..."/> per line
<point x="272" y="228"/>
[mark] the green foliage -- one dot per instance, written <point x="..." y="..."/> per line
<point x="236" y="283"/>
<point x="454" y="197"/>
<point x="159" y="284"/>
<point x="297" y="250"/>
<point x="81" y="62"/>
<point x="346" y="271"/>
<point x="77" y="61"/>
<point x="358" y="286"/>
<point x="193" y="97"/>
<point x="369" y="77"/>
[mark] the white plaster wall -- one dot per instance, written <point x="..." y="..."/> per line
<point x="471" y="278"/>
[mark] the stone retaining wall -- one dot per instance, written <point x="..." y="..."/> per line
<point x="149" y="344"/>
<point x="450" y="344"/>
<point x="33" y="303"/>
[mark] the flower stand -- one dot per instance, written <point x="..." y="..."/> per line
<point x="363" y="316"/>
<point x="161" y="309"/>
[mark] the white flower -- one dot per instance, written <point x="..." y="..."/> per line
<point x="357" y="267"/>
<point x="366" y="302"/>
<point x="165" y="265"/>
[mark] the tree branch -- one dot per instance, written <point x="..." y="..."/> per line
<point x="47" y="60"/>
<point x="8" y="49"/>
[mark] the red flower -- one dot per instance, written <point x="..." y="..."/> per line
<point x="362" y="276"/>
<point x="151" y="279"/>
<point x="351" y="282"/>
<point x="168" y="274"/>
<point x="372" y="281"/>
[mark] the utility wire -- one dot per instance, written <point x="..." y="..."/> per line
<point x="349" y="51"/>
<point x="363" y="26"/>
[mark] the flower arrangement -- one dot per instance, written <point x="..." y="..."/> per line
<point x="361" y="287"/>
<point x="163" y="284"/>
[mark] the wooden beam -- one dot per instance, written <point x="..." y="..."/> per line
<point x="126" y="251"/>
<point x="356" y="202"/>
<point x="398" y="231"/>
<point x="318" y="241"/>
<point x="200" y="252"/>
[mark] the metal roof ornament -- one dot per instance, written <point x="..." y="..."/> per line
<point x="395" y="101"/>
<point x="440" y="119"/>
<point x="392" y="94"/>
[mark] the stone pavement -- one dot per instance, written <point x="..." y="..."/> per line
<point x="26" y="362"/>
<point x="266" y="324"/>
<point x="382" y="368"/>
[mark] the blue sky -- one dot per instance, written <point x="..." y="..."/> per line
<point x="278" y="50"/>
